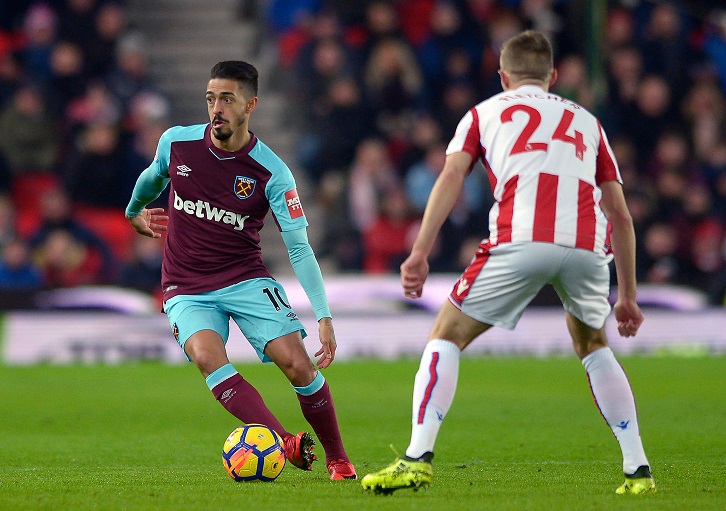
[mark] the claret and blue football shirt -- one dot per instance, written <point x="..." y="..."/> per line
<point x="218" y="201"/>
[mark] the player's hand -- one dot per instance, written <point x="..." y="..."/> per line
<point x="414" y="271"/>
<point x="327" y="340"/>
<point x="629" y="317"/>
<point x="146" y="223"/>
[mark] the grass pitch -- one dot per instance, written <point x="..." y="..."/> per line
<point x="523" y="434"/>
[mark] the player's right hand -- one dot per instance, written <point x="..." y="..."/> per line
<point x="629" y="317"/>
<point x="414" y="271"/>
<point x="146" y="222"/>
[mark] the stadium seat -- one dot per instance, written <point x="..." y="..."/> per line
<point x="26" y="190"/>
<point x="111" y="226"/>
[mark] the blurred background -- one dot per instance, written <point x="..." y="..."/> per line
<point x="360" y="99"/>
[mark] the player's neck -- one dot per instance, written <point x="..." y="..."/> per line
<point x="522" y="83"/>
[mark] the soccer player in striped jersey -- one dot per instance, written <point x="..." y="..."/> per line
<point x="558" y="191"/>
<point x="223" y="182"/>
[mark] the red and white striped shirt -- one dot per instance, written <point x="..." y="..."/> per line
<point x="546" y="157"/>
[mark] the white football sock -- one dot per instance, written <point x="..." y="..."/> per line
<point x="614" y="397"/>
<point x="433" y="393"/>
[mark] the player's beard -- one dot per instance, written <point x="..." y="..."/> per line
<point x="226" y="131"/>
<point x="222" y="135"/>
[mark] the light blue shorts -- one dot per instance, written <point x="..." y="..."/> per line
<point x="259" y="307"/>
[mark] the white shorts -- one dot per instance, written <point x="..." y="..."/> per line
<point x="501" y="281"/>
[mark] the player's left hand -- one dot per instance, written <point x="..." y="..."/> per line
<point x="414" y="271"/>
<point x="327" y="340"/>
<point x="628" y="316"/>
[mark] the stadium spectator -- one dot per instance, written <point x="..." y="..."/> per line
<point x="662" y="41"/>
<point x="424" y="131"/>
<point x="130" y="72"/>
<point x="392" y="78"/>
<point x="68" y="79"/>
<point x="451" y="48"/>
<point x="652" y="111"/>
<point x="28" y="133"/>
<point x="330" y="143"/>
<point x="97" y="106"/>
<point x="40" y="30"/>
<point x="17" y="270"/>
<point x="371" y="175"/>
<point x="659" y="263"/>
<point x="66" y="262"/>
<point x="388" y="238"/>
<point x="704" y="110"/>
<point x="76" y="22"/>
<point x="143" y="269"/>
<point x="109" y="26"/>
<point x="79" y="249"/>
<point x="94" y="174"/>
<point x="572" y="82"/>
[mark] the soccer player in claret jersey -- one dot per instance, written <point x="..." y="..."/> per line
<point x="556" y="186"/>
<point x="224" y="180"/>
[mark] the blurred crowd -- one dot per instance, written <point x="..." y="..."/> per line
<point x="376" y="90"/>
<point x="381" y="85"/>
<point x="79" y="120"/>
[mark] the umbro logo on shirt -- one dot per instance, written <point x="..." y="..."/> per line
<point x="183" y="170"/>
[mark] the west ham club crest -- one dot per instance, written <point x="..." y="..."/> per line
<point x="244" y="186"/>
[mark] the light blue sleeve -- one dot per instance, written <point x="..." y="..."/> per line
<point x="281" y="189"/>
<point x="148" y="187"/>
<point x="307" y="270"/>
<point x="152" y="181"/>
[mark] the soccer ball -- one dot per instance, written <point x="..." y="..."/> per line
<point x="253" y="453"/>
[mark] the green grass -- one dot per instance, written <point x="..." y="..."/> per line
<point x="523" y="434"/>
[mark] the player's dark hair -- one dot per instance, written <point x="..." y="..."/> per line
<point x="527" y="55"/>
<point x="240" y="71"/>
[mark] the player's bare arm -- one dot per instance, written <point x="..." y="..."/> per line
<point x="626" y="310"/>
<point x="146" y="223"/>
<point x="327" y="341"/>
<point x="445" y="193"/>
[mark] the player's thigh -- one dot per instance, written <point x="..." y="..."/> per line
<point x="503" y="280"/>
<point x="189" y="314"/>
<point x="262" y="311"/>
<point x="583" y="285"/>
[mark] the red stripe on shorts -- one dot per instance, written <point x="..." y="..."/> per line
<point x="462" y="286"/>
<point x="585" y="217"/>
<point x="433" y="378"/>
<point x="545" y="208"/>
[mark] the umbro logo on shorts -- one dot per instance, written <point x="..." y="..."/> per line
<point x="462" y="287"/>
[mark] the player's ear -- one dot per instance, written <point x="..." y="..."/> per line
<point x="251" y="105"/>
<point x="553" y="78"/>
<point x="504" y="79"/>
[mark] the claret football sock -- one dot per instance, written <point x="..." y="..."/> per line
<point x="614" y="398"/>
<point x="242" y="400"/>
<point x="433" y="392"/>
<point x="316" y="403"/>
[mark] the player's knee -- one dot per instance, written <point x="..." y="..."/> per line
<point x="300" y="371"/>
<point x="583" y="347"/>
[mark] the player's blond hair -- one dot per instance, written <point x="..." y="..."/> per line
<point x="527" y="56"/>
